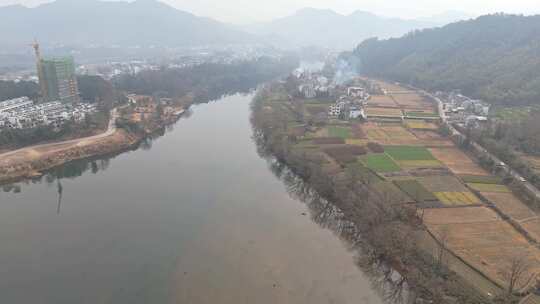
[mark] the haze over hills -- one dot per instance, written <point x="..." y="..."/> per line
<point x="494" y="57"/>
<point x="327" y="28"/>
<point x="84" y="22"/>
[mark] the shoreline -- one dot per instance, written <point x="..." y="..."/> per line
<point x="33" y="161"/>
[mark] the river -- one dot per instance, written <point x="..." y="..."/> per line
<point x="195" y="217"/>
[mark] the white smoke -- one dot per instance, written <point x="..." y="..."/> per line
<point x="345" y="71"/>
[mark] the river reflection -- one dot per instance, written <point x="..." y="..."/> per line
<point x="192" y="217"/>
<point x="389" y="283"/>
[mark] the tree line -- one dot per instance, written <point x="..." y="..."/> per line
<point x="207" y="81"/>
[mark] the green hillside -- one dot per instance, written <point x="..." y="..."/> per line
<point x="494" y="57"/>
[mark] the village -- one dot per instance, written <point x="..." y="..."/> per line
<point x="398" y="138"/>
<point x="23" y="113"/>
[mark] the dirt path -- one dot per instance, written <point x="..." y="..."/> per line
<point x="31" y="160"/>
<point x="37" y="150"/>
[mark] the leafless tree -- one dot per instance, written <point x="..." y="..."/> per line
<point x="442" y="248"/>
<point x="516" y="272"/>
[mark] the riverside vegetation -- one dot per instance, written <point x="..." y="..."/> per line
<point x="406" y="189"/>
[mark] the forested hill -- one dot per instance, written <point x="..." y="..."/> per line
<point x="494" y="57"/>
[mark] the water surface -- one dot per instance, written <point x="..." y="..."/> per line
<point x="197" y="218"/>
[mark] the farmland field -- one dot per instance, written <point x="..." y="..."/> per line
<point x="413" y="101"/>
<point x="376" y="111"/>
<point x="489" y="187"/>
<point x="414" y="164"/>
<point x="380" y="163"/>
<point x="420" y="124"/>
<point x="408" y="153"/>
<point x="481" y="238"/>
<point x="510" y="205"/>
<point x="421" y="114"/>
<point x="457" y="198"/>
<point x="382" y="100"/>
<point x="391" y="194"/>
<point x="315" y="109"/>
<point x="430" y="138"/>
<point x="458" y="162"/>
<point x="342" y="132"/>
<point x="533" y="227"/>
<point x="415" y="190"/>
<point x="481" y="179"/>
<point x="357" y="142"/>
<point x="442" y="183"/>
<point x="389" y="134"/>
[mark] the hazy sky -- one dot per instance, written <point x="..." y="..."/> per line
<point x="244" y="11"/>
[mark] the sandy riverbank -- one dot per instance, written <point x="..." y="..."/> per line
<point x="30" y="161"/>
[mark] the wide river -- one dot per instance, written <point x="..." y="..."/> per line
<point x="197" y="218"/>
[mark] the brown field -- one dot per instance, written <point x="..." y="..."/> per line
<point x="389" y="134"/>
<point x="378" y="111"/>
<point x="421" y="125"/>
<point x="428" y="135"/>
<point x="533" y="228"/>
<point x="357" y="131"/>
<point x="459" y="215"/>
<point x="443" y="183"/>
<point x="482" y="239"/>
<point x="432" y="139"/>
<point x="413" y="101"/>
<point x="457" y="161"/>
<point x="382" y="101"/>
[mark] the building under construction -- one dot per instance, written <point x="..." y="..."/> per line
<point x="57" y="78"/>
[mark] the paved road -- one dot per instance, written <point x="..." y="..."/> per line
<point x="110" y="130"/>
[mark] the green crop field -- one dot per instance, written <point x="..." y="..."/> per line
<point x="380" y="163"/>
<point x="342" y="132"/>
<point x="359" y="169"/>
<point x="489" y="187"/>
<point x="415" y="190"/>
<point x="408" y="153"/>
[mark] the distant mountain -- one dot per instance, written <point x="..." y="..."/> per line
<point x="494" y="57"/>
<point x="327" y="28"/>
<point x="85" y="22"/>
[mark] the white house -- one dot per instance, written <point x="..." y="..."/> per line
<point x="355" y="112"/>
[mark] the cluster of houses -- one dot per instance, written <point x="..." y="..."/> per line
<point x="22" y="113"/>
<point x="350" y="101"/>
<point x="350" y="106"/>
<point x="464" y="110"/>
<point x="312" y="84"/>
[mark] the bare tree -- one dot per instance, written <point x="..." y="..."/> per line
<point x="518" y="268"/>
<point x="442" y="248"/>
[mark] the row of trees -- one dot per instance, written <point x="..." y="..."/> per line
<point x="12" y="89"/>
<point x="508" y="140"/>
<point x="494" y="58"/>
<point x="208" y="81"/>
